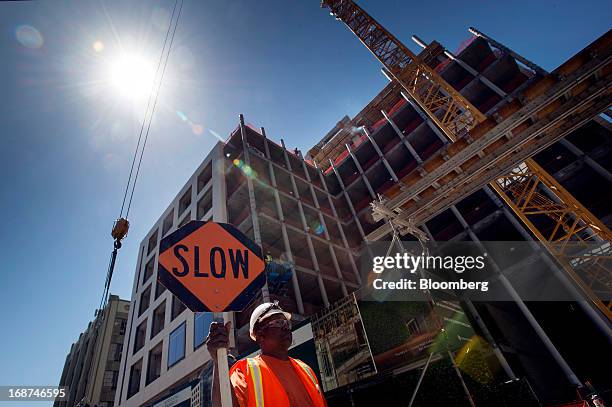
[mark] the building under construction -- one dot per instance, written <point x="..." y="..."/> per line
<point x="479" y="145"/>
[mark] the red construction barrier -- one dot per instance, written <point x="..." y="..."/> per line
<point x="341" y="157"/>
<point x="442" y="65"/>
<point x="378" y="124"/>
<point x="400" y="103"/>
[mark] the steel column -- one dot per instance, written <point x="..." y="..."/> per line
<point x="567" y="370"/>
<point x="332" y="252"/>
<point x="381" y="155"/>
<point x="252" y="204"/>
<point x="279" y="209"/>
<point x="313" y="256"/>
<point x="361" y="173"/>
<point x="349" y="252"/>
<point x="399" y="133"/>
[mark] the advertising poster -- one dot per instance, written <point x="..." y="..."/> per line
<point x="342" y="346"/>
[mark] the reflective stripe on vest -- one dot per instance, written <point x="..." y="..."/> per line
<point x="255" y="371"/>
<point x="306" y="369"/>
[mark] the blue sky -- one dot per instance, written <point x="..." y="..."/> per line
<point x="68" y="137"/>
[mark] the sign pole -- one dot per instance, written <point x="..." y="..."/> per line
<point x="224" y="381"/>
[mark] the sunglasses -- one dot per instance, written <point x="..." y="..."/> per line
<point x="277" y="323"/>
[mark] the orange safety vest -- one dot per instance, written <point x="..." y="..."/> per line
<point x="264" y="389"/>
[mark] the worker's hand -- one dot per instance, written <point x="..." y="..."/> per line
<point x="218" y="337"/>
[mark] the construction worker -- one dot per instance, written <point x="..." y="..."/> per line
<point x="272" y="378"/>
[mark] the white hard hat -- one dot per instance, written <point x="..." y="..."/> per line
<point x="264" y="311"/>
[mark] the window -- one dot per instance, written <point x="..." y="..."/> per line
<point x="159" y="317"/>
<point x="186" y="219"/>
<point x="152" y="242"/>
<point x="176" y="345"/>
<point x="204" y="204"/>
<point x="204" y="177"/>
<point x="114" y="352"/>
<point x="145" y="299"/>
<point x="141" y="332"/>
<point x="154" y="366"/>
<point x="110" y="378"/>
<point x="168" y="222"/>
<point x="159" y="289"/>
<point x="177" y="307"/>
<point x="123" y="325"/>
<point x="201" y="326"/>
<point x="149" y="268"/>
<point x="185" y="201"/>
<point x="134" y="383"/>
<point x="119" y="326"/>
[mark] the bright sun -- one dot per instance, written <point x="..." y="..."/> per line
<point x="132" y="77"/>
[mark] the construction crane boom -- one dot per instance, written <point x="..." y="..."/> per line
<point x="452" y="112"/>
<point x="523" y="191"/>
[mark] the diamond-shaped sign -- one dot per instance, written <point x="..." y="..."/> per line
<point x="211" y="266"/>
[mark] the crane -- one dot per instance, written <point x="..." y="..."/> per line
<point x="485" y="149"/>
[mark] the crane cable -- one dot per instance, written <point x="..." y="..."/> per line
<point x="154" y="104"/>
<point x="121" y="225"/>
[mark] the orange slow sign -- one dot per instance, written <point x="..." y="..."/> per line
<point x="211" y="266"/>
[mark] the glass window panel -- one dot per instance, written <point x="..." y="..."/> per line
<point x="201" y="322"/>
<point x="176" y="345"/>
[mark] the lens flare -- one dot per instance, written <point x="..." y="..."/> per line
<point x="246" y="170"/>
<point x="182" y="115"/>
<point x="471" y="359"/>
<point x="317" y="228"/>
<point x="98" y="46"/>
<point x="29" y="36"/>
<point x="197" y="129"/>
<point x="214" y="133"/>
